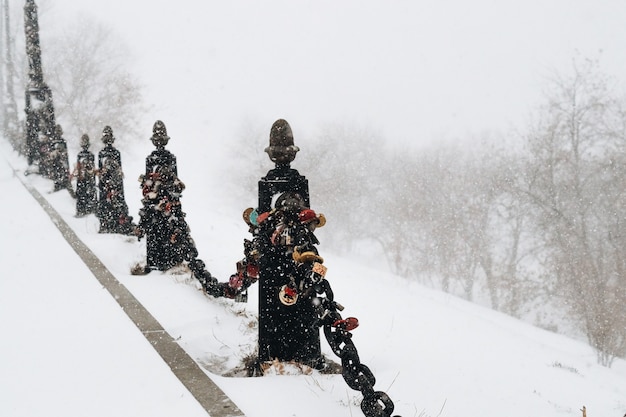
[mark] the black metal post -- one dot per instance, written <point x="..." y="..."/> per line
<point x="162" y="220"/>
<point x="40" y="118"/>
<point x="85" y="174"/>
<point x="287" y="324"/>
<point x="112" y="208"/>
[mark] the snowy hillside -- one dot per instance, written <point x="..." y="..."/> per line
<point x="64" y="342"/>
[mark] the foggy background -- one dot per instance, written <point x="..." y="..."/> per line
<point x="416" y="72"/>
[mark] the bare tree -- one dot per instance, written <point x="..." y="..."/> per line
<point x="442" y="204"/>
<point x="576" y="183"/>
<point x="344" y="167"/>
<point x="86" y="69"/>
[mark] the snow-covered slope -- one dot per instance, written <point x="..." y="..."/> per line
<point x="68" y="350"/>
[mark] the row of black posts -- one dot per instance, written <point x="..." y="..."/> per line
<point x="295" y="299"/>
<point x="106" y="198"/>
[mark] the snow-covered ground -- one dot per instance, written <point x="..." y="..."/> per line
<point x="67" y="349"/>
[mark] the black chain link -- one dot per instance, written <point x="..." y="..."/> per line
<point x="357" y="375"/>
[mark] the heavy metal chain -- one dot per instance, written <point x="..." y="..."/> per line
<point x="315" y="287"/>
<point x="356" y="374"/>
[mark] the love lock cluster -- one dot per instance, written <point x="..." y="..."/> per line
<point x="286" y="235"/>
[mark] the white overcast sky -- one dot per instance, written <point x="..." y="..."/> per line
<point x="413" y="70"/>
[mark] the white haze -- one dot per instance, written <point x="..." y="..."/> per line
<point x="416" y="71"/>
